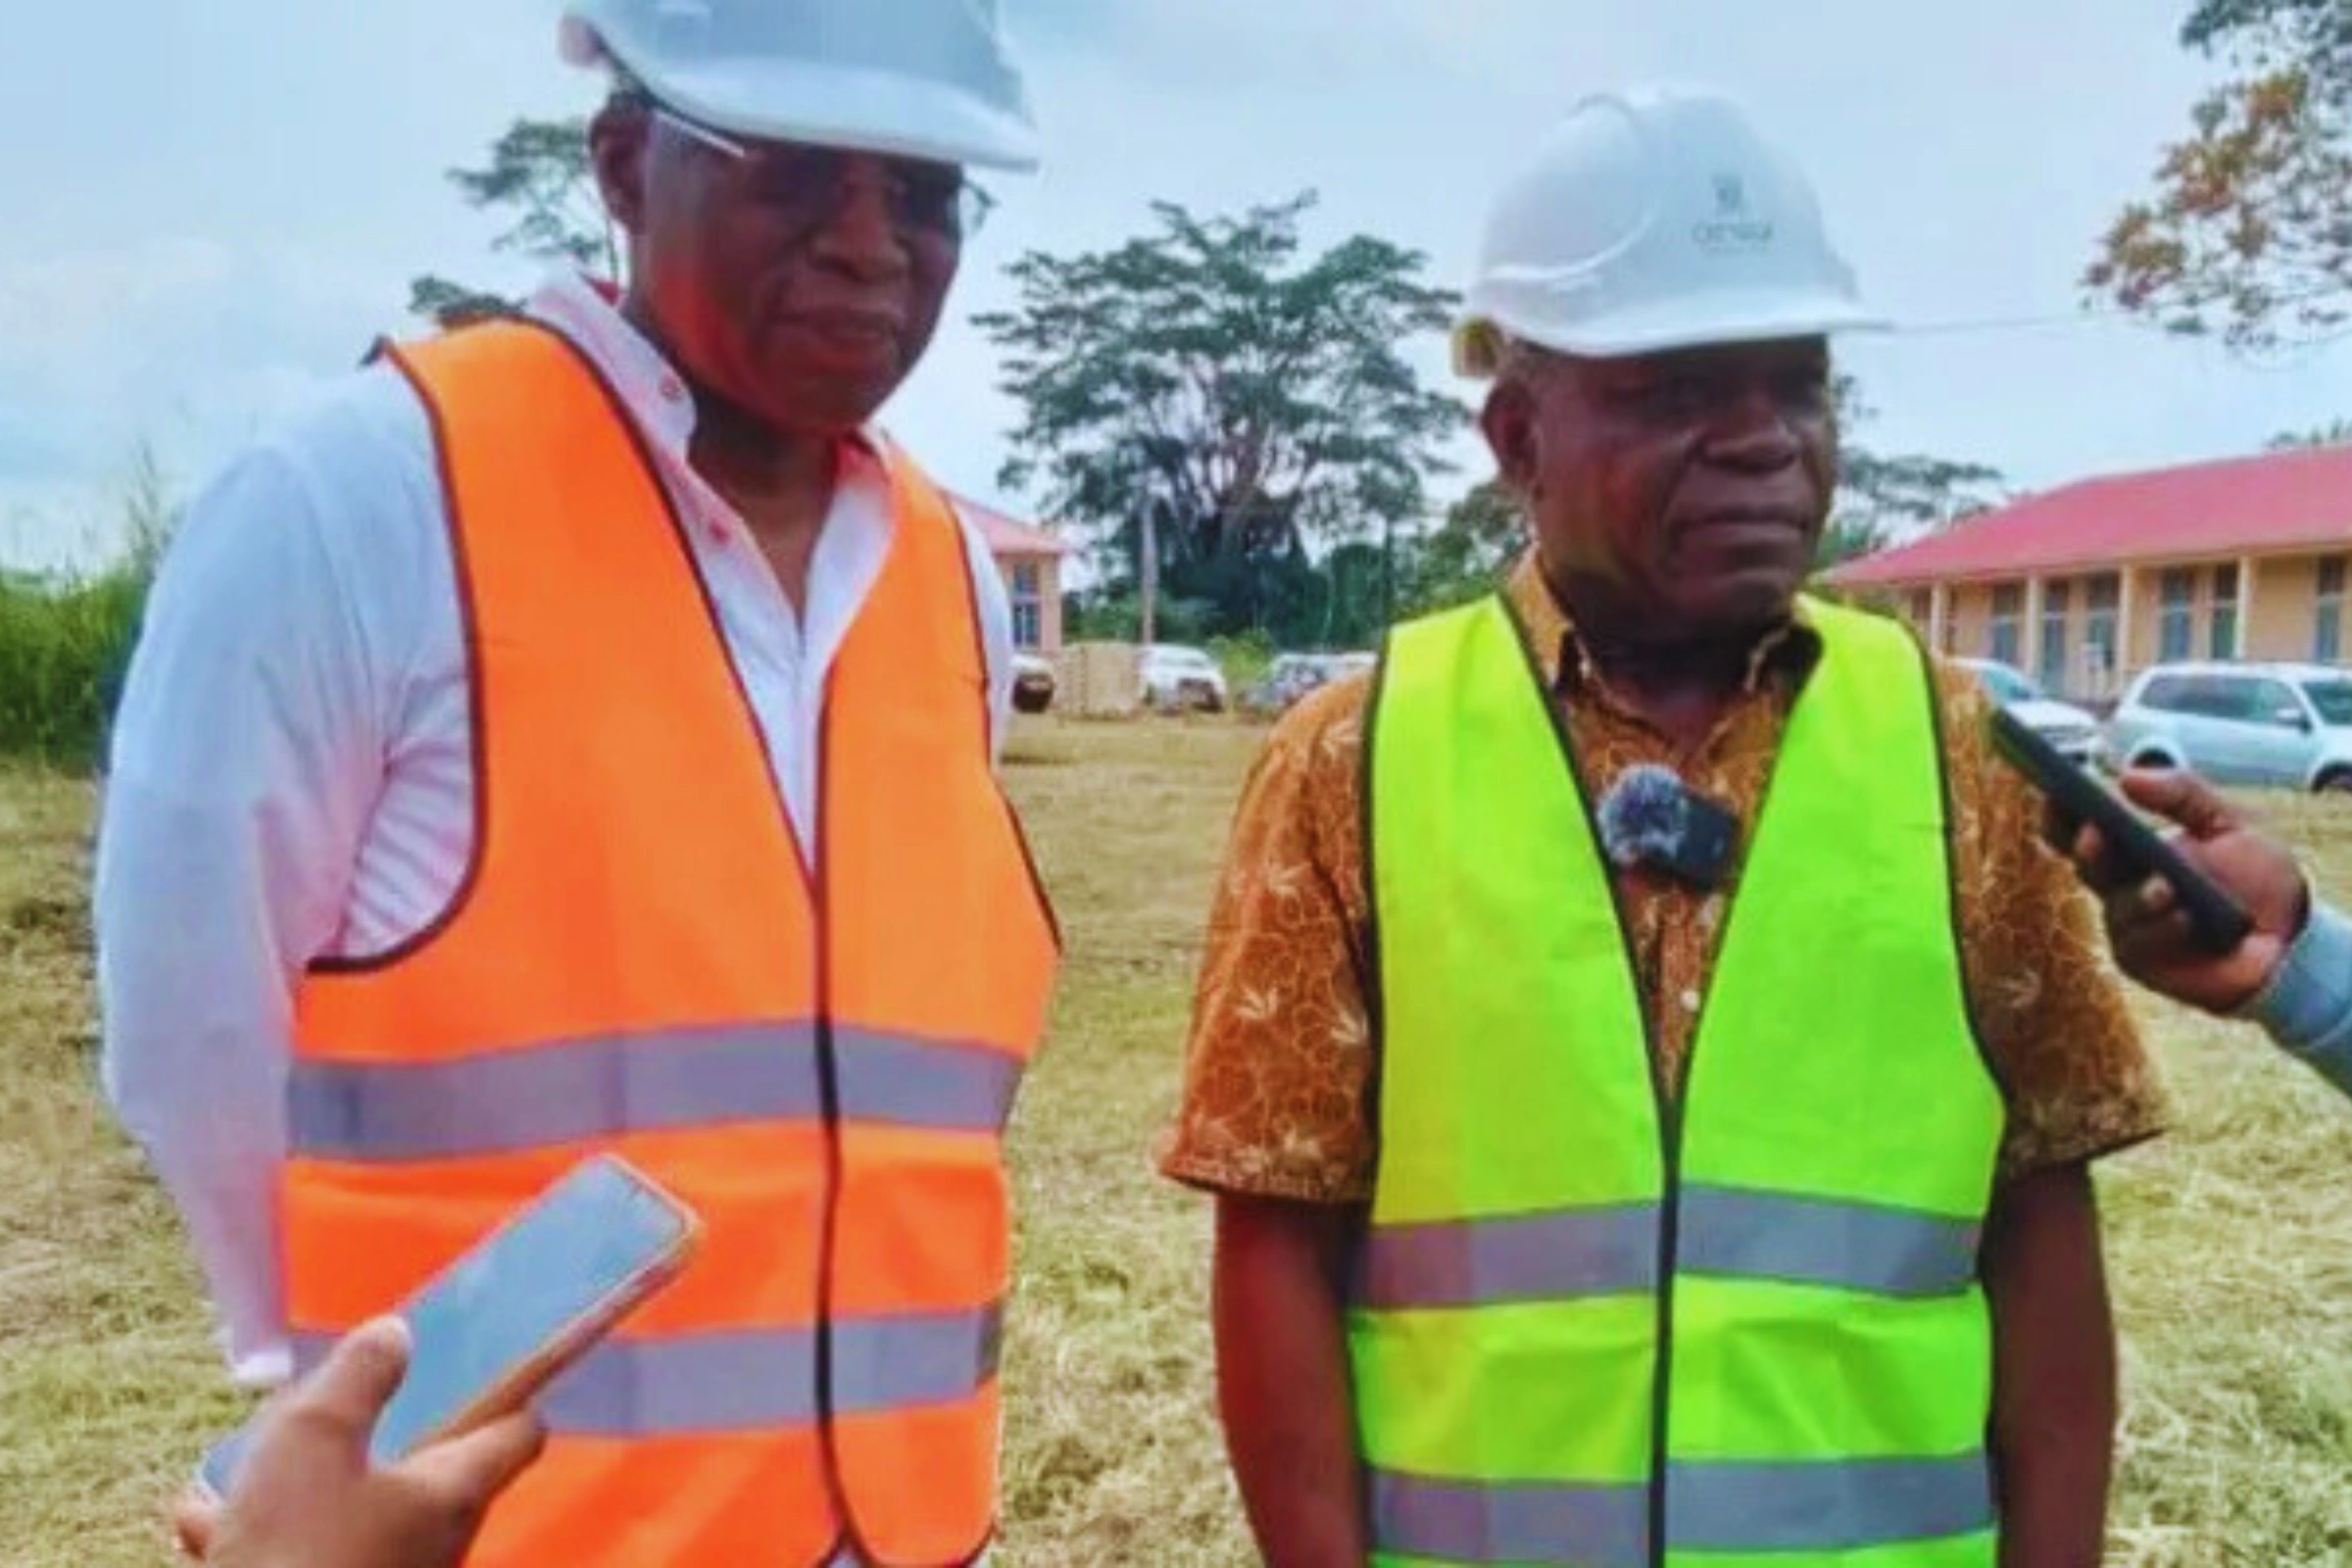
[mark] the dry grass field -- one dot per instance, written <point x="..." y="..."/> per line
<point x="2232" y="1240"/>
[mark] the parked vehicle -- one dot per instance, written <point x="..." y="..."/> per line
<point x="1033" y="683"/>
<point x="1293" y="676"/>
<point x="1290" y="678"/>
<point x="2071" y="730"/>
<point x="2285" y="726"/>
<point x="1179" y="679"/>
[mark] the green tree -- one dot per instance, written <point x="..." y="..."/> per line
<point x="2248" y="235"/>
<point x="539" y="175"/>
<point x="1467" y="555"/>
<point x="1883" y="500"/>
<point x="1209" y="394"/>
<point x="2335" y="433"/>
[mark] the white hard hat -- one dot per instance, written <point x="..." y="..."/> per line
<point x="1655" y="219"/>
<point x="913" y="78"/>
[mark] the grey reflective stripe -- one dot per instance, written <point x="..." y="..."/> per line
<point x="1854" y="1247"/>
<point x="747" y="1380"/>
<point x="557" y="1094"/>
<point x="1577" y="1252"/>
<point x="744" y="1380"/>
<point x="1573" y="1253"/>
<point x="1820" y="1507"/>
<point x="915" y="1083"/>
<point x="1457" y="1521"/>
<point x="580" y="1091"/>
<point x="1840" y="1507"/>
<point x="883" y="1364"/>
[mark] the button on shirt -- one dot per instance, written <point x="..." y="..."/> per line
<point x="292" y="773"/>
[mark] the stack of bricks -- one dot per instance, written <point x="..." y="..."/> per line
<point x="1098" y="680"/>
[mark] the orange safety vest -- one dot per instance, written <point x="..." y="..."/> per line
<point x="819" y="1057"/>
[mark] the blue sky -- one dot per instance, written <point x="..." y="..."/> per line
<point x="214" y="205"/>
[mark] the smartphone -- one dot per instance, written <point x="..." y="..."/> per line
<point x="2217" y="921"/>
<point x="490" y="1332"/>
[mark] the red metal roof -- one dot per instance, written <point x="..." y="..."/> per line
<point x="1010" y="536"/>
<point x="2243" y="506"/>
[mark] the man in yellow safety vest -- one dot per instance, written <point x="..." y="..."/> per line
<point x="1646" y="1057"/>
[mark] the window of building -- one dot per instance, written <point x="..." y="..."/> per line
<point x="2221" y="641"/>
<point x="2102" y="602"/>
<point x="2008" y="610"/>
<point x="1923" y="608"/>
<point x="2175" y="615"/>
<point x="1026" y="581"/>
<point x="2057" y="599"/>
<point x="2327" y="614"/>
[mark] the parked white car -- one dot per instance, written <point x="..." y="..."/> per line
<point x="2074" y="731"/>
<point x="1181" y="679"/>
<point x="2284" y="727"/>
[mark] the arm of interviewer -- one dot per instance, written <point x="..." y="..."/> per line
<point x="2293" y="976"/>
<point x="2307" y="1007"/>
<point x="309" y="1499"/>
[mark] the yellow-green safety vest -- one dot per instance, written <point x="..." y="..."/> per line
<point x="1738" y="1326"/>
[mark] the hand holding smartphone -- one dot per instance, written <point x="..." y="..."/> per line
<point x="2217" y="921"/>
<point x="528" y="1301"/>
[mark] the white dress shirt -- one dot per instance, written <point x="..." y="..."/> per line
<point x="292" y="772"/>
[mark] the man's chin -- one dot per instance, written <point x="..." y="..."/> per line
<point x="1747" y="605"/>
<point x="832" y="409"/>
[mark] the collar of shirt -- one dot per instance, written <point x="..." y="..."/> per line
<point x="588" y="312"/>
<point x="1781" y="660"/>
<point x="857" y="533"/>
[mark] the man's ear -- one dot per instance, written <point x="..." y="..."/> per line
<point x="1510" y="423"/>
<point x="620" y="139"/>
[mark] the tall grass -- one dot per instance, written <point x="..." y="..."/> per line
<point x="66" y="641"/>
<point x="63" y="650"/>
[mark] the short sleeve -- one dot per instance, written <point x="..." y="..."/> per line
<point x="1278" y="1074"/>
<point x="2050" y="1005"/>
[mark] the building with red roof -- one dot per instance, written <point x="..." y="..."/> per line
<point x="1029" y="558"/>
<point x="2086" y="585"/>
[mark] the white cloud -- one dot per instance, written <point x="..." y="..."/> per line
<point x="187" y="344"/>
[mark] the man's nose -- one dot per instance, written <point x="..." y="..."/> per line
<point x="862" y="234"/>
<point x="1754" y="431"/>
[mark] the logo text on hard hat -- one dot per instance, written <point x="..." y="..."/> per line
<point x="1732" y="228"/>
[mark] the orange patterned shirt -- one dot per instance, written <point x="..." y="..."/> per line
<point x="1279" y="1070"/>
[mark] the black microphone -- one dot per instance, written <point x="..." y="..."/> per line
<point x="1650" y="819"/>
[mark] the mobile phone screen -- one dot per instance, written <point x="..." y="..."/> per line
<point x="507" y="1301"/>
<point x="520" y="1291"/>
